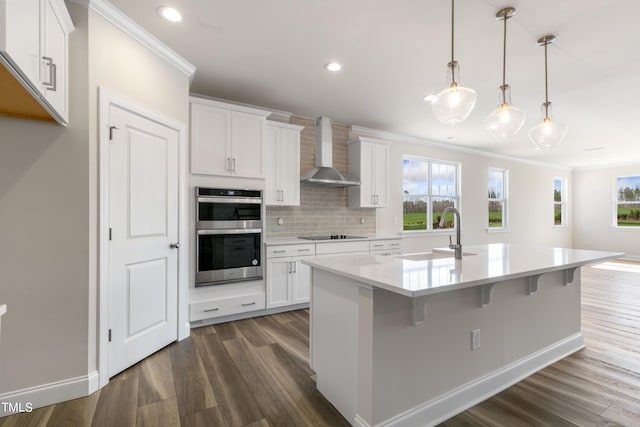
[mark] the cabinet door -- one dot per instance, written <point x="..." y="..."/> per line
<point x="21" y="23"/>
<point x="271" y="157"/>
<point x="278" y="286"/>
<point x="289" y="167"/>
<point x="367" y="194"/>
<point x="247" y="145"/>
<point x="380" y="174"/>
<point x="55" y="63"/>
<point x="210" y="140"/>
<point x="302" y="282"/>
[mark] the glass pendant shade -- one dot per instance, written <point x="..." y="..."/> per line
<point x="549" y="133"/>
<point x="506" y="120"/>
<point x="454" y="104"/>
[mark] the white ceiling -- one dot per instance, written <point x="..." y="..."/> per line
<point x="272" y="54"/>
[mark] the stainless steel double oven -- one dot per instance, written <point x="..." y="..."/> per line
<point x="228" y="235"/>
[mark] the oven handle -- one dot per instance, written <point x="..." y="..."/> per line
<point x="219" y="199"/>
<point x="232" y="231"/>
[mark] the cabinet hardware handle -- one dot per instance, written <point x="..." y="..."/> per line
<point x="175" y="245"/>
<point x="289" y="263"/>
<point x="279" y="252"/>
<point x="378" y="246"/>
<point x="304" y="250"/>
<point x="248" y="304"/>
<point x="295" y="266"/>
<point x="233" y="169"/>
<point x="51" y="84"/>
<point x="228" y="166"/>
<point x="211" y="309"/>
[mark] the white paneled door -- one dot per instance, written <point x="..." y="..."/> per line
<point x="143" y="222"/>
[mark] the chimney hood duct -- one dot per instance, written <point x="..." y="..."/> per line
<point x="324" y="173"/>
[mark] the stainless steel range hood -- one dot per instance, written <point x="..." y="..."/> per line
<point x="324" y="173"/>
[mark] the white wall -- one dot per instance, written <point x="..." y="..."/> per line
<point x="593" y="211"/>
<point x="530" y="200"/>
<point x="49" y="206"/>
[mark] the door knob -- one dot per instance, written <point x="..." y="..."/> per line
<point x="174" y="245"/>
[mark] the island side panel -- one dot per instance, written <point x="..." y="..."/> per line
<point x="415" y="366"/>
<point x="337" y="331"/>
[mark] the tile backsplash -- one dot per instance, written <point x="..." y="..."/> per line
<point x="322" y="210"/>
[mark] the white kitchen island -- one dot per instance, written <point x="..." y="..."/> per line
<point x="392" y="337"/>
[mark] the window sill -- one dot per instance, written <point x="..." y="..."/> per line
<point x="498" y="230"/>
<point x="623" y="228"/>
<point x="561" y="227"/>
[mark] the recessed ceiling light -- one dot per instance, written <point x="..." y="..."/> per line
<point x="429" y="97"/>
<point x="333" y="66"/>
<point x="453" y="138"/>
<point x="170" y="14"/>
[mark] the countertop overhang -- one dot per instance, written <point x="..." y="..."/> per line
<point x="490" y="264"/>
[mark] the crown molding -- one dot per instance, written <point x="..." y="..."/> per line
<point x="359" y="131"/>
<point x="116" y="17"/>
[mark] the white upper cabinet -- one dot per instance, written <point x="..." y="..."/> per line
<point x="34" y="50"/>
<point x="226" y="139"/>
<point x="54" y="52"/>
<point x="369" y="161"/>
<point x="282" y="158"/>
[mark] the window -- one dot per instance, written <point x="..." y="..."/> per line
<point x="559" y="201"/>
<point x="497" y="198"/>
<point x="628" y="201"/>
<point x="429" y="186"/>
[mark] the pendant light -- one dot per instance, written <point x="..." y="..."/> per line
<point x="454" y="104"/>
<point x="547" y="134"/>
<point x="506" y="120"/>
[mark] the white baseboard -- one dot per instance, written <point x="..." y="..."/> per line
<point x="48" y="394"/>
<point x="470" y="394"/>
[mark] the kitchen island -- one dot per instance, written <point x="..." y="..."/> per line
<point x="412" y="340"/>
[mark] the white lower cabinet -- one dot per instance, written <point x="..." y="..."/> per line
<point x="288" y="279"/>
<point x="226" y="306"/>
<point x="385" y="247"/>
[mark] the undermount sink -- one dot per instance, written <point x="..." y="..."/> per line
<point x="425" y="256"/>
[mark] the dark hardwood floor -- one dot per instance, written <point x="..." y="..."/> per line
<point x="255" y="373"/>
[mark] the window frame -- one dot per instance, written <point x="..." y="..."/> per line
<point x="457" y="199"/>
<point x="504" y="199"/>
<point x="616" y="202"/>
<point x="562" y="202"/>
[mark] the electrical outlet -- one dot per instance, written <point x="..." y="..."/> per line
<point x="475" y="339"/>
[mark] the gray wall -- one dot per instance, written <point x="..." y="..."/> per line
<point x="49" y="206"/>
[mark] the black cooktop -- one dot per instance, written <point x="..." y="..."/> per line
<point x="332" y="237"/>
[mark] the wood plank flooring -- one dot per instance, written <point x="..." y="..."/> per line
<point x="255" y="373"/>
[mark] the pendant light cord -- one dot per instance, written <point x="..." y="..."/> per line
<point x="504" y="60"/>
<point x="546" y="84"/>
<point x="452" y="24"/>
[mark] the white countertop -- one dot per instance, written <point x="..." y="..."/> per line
<point x="298" y="240"/>
<point x="492" y="263"/>
<point x="3" y="309"/>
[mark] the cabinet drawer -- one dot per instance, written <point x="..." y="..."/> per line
<point x="341" y="247"/>
<point x="302" y="249"/>
<point x="378" y="245"/>
<point x="226" y="306"/>
<point x="386" y="252"/>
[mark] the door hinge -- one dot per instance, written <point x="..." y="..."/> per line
<point x="109" y="335"/>
<point x="110" y="233"/>
<point x="111" y="128"/>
